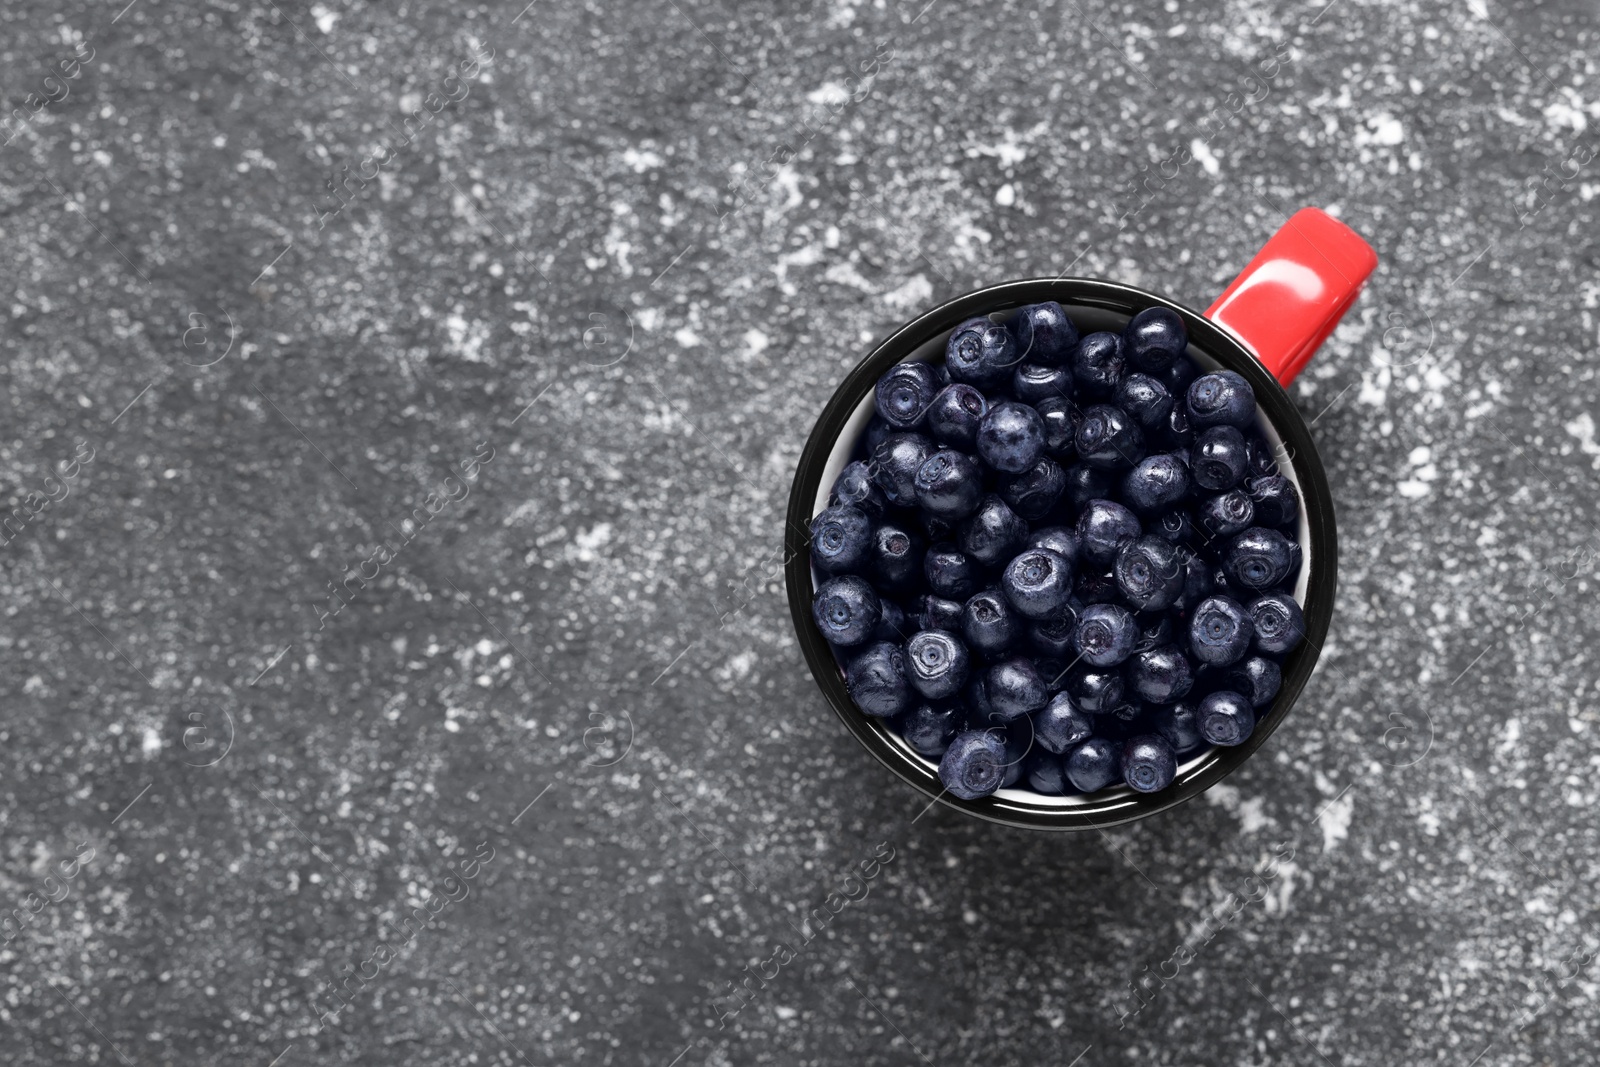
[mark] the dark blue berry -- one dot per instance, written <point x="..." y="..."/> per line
<point x="1034" y="382"/>
<point x="953" y="417"/>
<point x="1276" y="502"/>
<point x="1260" y="559"/>
<point x="936" y="663"/>
<point x="1279" y="623"/>
<point x="1011" y="437"/>
<point x="1059" y="725"/>
<point x="876" y="678"/>
<point x="1094" y="764"/>
<point x="1036" y="490"/>
<point x="989" y="624"/>
<point x="1017" y="735"/>
<point x="1218" y="459"/>
<point x="1015" y="688"/>
<point x="975" y="698"/>
<point x="1038" y="583"/>
<point x="1103" y="528"/>
<point x="892" y="625"/>
<point x="1221" y="398"/>
<point x="1174" y="526"/>
<point x="1060" y="417"/>
<point x="1106" y="634"/>
<point x="1161" y="675"/>
<point x="1225" y="718"/>
<point x="1145" y="399"/>
<point x="1175" y="431"/>
<point x="950" y="573"/>
<point x="1154" y="631"/>
<point x="1148" y="763"/>
<point x="980" y="353"/>
<point x="1263" y="462"/>
<point x="1062" y="540"/>
<point x="933" y="612"/>
<point x="895" y="463"/>
<point x="841" y="539"/>
<point x="1149" y="573"/>
<point x="1096" y="692"/>
<point x="993" y="533"/>
<point x="876" y="433"/>
<point x="1094" y="588"/>
<point x="1224" y="515"/>
<point x="1053" y="637"/>
<point x="1255" y="678"/>
<point x="1107" y="438"/>
<point x="1220" y="631"/>
<point x="928" y="728"/>
<point x="1084" y="484"/>
<point x="1046" y="773"/>
<point x="855" y="487"/>
<point x="904" y="393"/>
<point x="1157" y="483"/>
<point x="1178" y="377"/>
<point x="1044" y="333"/>
<point x="1180" y="725"/>
<point x="949" y="484"/>
<point x="846" y="610"/>
<point x="975" y="764"/>
<point x="1154" y="339"/>
<point x="896" y="560"/>
<point x="1098" y="363"/>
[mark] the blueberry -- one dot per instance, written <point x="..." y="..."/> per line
<point x="936" y="663"/>
<point x="1085" y="484"/>
<point x="1017" y="736"/>
<point x="993" y="533"/>
<point x="1038" y="583"/>
<point x="1174" y="526"/>
<point x="1222" y="398"/>
<point x="876" y="433"/>
<point x="1148" y="764"/>
<point x="1279" y="623"/>
<point x="1149" y="574"/>
<point x="1098" y="363"/>
<point x="928" y="728"/>
<point x="1015" y="688"/>
<point x="949" y="484"/>
<point x="1175" y="430"/>
<point x="896" y="558"/>
<point x="1036" y="490"/>
<point x="846" y="610"/>
<point x="1263" y="463"/>
<point x="949" y="572"/>
<point x="1060" y="417"/>
<point x="1107" y="438"/>
<point x="1145" y="399"/>
<point x="1103" y="528"/>
<point x="1179" y="724"/>
<point x="1106" y="634"/>
<point x="933" y="612"/>
<point x="876" y="678"/>
<point x="1178" y="377"/>
<point x="980" y="353"/>
<point x="1156" y="484"/>
<point x="1218" y="458"/>
<point x="1154" y="631"/>
<point x="1255" y="678"/>
<point x="937" y="529"/>
<point x="1161" y="675"/>
<point x="1154" y="339"/>
<point x="1059" y="725"/>
<point x="1276" y="502"/>
<point x="841" y="539"/>
<point x="1093" y="588"/>
<point x="1260" y="559"/>
<point x="904" y="393"/>
<point x="1224" y="515"/>
<point x="1096" y="692"/>
<point x="895" y="463"/>
<point x="1220" y="631"/>
<point x="975" y="698"/>
<point x="1225" y="718"/>
<point x="1054" y="637"/>
<point x="1196" y="580"/>
<point x="1044" y="333"/>
<point x="1094" y="764"/>
<point x="1062" y="540"/>
<point x="954" y="414"/>
<point x="989" y="624"/>
<point x="1034" y="382"/>
<point x="1011" y="437"/>
<point x="854" y="487"/>
<point x="1045" y="773"/>
<point x="891" y="623"/>
<point x="974" y="764"/>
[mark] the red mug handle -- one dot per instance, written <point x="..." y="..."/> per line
<point x="1295" y="291"/>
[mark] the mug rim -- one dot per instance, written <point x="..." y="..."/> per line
<point x="1320" y="551"/>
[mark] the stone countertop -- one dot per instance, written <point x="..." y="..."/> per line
<point x="517" y="319"/>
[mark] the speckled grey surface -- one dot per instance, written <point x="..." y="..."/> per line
<point x="629" y="258"/>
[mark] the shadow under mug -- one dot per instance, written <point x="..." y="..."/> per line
<point x="1266" y="326"/>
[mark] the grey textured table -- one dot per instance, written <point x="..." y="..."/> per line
<point x="277" y="272"/>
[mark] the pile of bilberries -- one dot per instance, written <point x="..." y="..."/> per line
<point x="1062" y="559"/>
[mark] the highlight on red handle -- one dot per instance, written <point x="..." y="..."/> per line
<point x="1295" y="291"/>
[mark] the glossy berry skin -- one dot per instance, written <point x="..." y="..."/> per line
<point x="1175" y="431"/>
<point x="936" y="663"/>
<point x="904" y="393"/>
<point x="1263" y="462"/>
<point x="1149" y="574"/>
<point x="1038" y="583"/>
<point x="1046" y="773"/>
<point x="980" y="353"/>
<point x="1098" y="363"/>
<point x="895" y="463"/>
<point x="1148" y="763"/>
<point x="1218" y="459"/>
<point x="1085" y="484"/>
<point x="855" y="487"/>
<point x="1180" y="725"/>
<point x="1011" y="437"/>
<point x="841" y="539"/>
<point x="930" y="612"/>
<point x="1156" y="484"/>
<point x="1221" y="398"/>
<point x="954" y="415"/>
<point x="949" y="484"/>
<point x="1062" y="540"/>
<point x="1225" y="718"/>
<point x="1015" y="688"/>
<point x="929" y="728"/>
<point x="1220" y="631"/>
<point x="1107" y="438"/>
<point x="846" y="610"/>
<point x="1094" y="764"/>
<point x="1144" y="398"/>
<point x="1255" y="678"/>
<point x="896" y="561"/>
<point x="1103" y="528"/>
<point x="892" y="624"/>
<point x="1060" y="418"/>
<point x="1275" y="499"/>
<point x="1044" y="333"/>
<point x="1154" y="339"/>
<point x="1224" y="515"/>
<point x="980" y="714"/>
<point x="1096" y="692"/>
<point x="1036" y="490"/>
<point x="1279" y="623"/>
<point x="876" y="433"/>
<point x="1179" y="376"/>
<point x="876" y="678"/>
<point x="1174" y="526"/>
<point x="949" y="572"/>
<point x="1161" y="675"/>
<point x="1053" y="638"/>
<point x="974" y="765"/>
<point x="989" y="624"/>
<point x="993" y="533"/>
<point x="1154" y="631"/>
<point x="1260" y="559"/>
<point x="1059" y="725"/>
<point x="1034" y="382"/>
<point x="1106" y="634"/>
